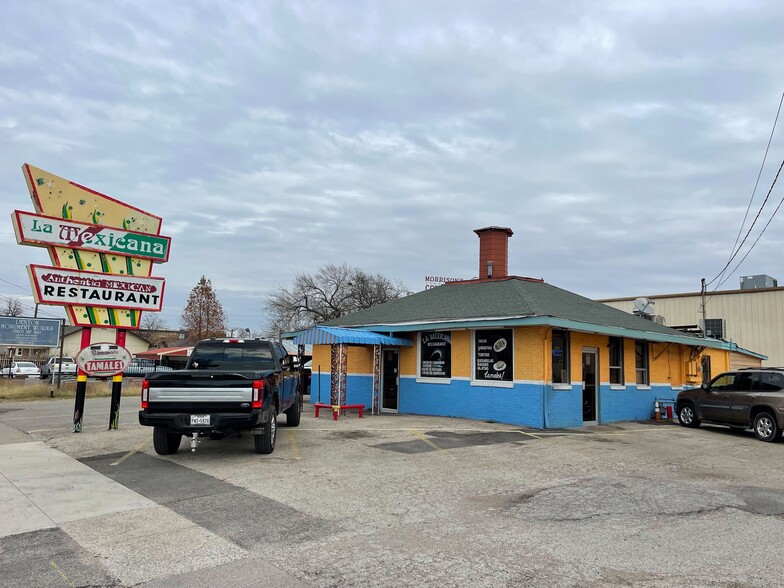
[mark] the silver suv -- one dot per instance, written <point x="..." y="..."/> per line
<point x="746" y="398"/>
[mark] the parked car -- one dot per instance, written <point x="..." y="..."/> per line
<point x="140" y="367"/>
<point x="21" y="369"/>
<point x="52" y="367"/>
<point x="746" y="398"/>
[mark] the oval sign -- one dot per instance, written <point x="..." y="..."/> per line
<point x="103" y="359"/>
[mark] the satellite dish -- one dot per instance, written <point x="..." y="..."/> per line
<point x="643" y="306"/>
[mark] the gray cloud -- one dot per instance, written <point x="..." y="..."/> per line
<point x="619" y="140"/>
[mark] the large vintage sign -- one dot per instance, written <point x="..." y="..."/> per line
<point x="53" y="285"/>
<point x="103" y="359"/>
<point x="29" y="332"/>
<point x="35" y="229"/>
<point x="88" y="233"/>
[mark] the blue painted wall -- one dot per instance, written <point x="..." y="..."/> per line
<point x="359" y="389"/>
<point x="519" y="405"/>
<point x="630" y="404"/>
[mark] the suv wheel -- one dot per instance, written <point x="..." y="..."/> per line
<point x="687" y="417"/>
<point x="765" y="427"/>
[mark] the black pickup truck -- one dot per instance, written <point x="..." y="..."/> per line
<point x="228" y="386"/>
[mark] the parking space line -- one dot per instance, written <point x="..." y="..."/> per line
<point x="65" y="578"/>
<point x="422" y="437"/>
<point x="294" y="445"/>
<point x="136" y="449"/>
<point x="529" y="434"/>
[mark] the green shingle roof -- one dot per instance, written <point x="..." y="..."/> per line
<point x="509" y="302"/>
<point x="513" y="297"/>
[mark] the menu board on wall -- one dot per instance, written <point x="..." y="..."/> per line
<point x="493" y="355"/>
<point x="435" y="355"/>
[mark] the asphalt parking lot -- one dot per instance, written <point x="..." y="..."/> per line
<point x="391" y="500"/>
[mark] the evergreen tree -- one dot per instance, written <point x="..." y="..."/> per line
<point x="203" y="315"/>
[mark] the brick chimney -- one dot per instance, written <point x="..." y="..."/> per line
<point x="493" y="252"/>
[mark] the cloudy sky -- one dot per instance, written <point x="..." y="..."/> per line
<point x="619" y="140"/>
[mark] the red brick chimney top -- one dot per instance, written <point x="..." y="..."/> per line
<point x="493" y="252"/>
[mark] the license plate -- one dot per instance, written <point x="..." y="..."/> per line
<point x="200" y="419"/>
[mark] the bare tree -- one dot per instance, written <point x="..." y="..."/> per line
<point x="11" y="306"/>
<point x="203" y="315"/>
<point x="331" y="292"/>
<point x="152" y="321"/>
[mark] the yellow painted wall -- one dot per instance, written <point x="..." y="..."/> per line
<point x="669" y="364"/>
<point x="461" y="354"/>
<point x="532" y="354"/>
<point x="360" y="360"/>
<point x="321" y="357"/>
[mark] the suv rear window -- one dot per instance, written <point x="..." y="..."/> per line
<point x="241" y="356"/>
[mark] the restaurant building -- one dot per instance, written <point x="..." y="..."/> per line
<point x="508" y="349"/>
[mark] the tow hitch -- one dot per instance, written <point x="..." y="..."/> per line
<point x="194" y="441"/>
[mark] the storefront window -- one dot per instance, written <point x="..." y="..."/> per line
<point x="493" y="356"/>
<point x="641" y="362"/>
<point x="561" y="357"/>
<point x="616" y="360"/>
<point x="435" y="354"/>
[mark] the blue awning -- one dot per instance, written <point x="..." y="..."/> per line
<point x="337" y="335"/>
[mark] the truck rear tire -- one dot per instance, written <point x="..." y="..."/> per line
<point x="293" y="414"/>
<point x="265" y="443"/>
<point x="165" y="443"/>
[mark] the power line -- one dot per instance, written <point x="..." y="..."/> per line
<point x="753" y="244"/>
<point x="756" y="184"/>
<point x="759" y="212"/>
<point x="734" y="252"/>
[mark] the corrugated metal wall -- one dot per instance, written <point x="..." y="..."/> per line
<point x="755" y="318"/>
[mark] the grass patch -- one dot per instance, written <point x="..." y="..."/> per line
<point x="35" y="389"/>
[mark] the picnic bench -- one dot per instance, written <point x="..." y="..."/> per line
<point x="336" y="408"/>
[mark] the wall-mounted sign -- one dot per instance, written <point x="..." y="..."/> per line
<point x="29" y="332"/>
<point x="103" y="359"/>
<point x="36" y="229"/>
<point x="433" y="281"/>
<point x="435" y="354"/>
<point x="53" y="285"/>
<point x="493" y="357"/>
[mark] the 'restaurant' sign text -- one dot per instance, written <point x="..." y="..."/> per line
<point x="54" y="285"/>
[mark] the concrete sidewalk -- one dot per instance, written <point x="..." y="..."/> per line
<point x="42" y="488"/>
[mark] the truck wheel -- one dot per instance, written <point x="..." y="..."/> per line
<point x="293" y="414"/>
<point x="165" y="443"/>
<point x="265" y="443"/>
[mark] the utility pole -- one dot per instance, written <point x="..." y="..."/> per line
<point x="702" y="294"/>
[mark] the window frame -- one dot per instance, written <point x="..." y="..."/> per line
<point x="617" y="369"/>
<point x="566" y="352"/>
<point x="645" y="369"/>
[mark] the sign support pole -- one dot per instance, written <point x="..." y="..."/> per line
<point x="114" y="412"/>
<point x="81" y="385"/>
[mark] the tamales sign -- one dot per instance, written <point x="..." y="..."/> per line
<point x="102" y="252"/>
